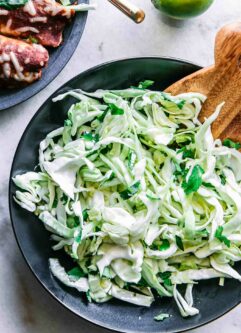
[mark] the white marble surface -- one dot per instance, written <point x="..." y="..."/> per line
<point x="24" y="306"/>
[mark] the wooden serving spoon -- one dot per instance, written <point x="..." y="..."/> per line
<point x="220" y="83"/>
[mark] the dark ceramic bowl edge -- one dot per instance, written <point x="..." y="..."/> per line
<point x="94" y="322"/>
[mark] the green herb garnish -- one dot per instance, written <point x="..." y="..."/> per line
<point x="64" y="199"/>
<point x="55" y="203"/>
<point x="208" y="185"/>
<point x="67" y="122"/>
<point x="73" y="221"/>
<point x="166" y="278"/>
<point x="88" y="296"/>
<point x="179" y="243"/>
<point x="115" y="110"/>
<point x="194" y="181"/>
<point x="181" y="104"/>
<point x="76" y="273"/>
<point x="165" y="245"/>
<point x="130" y="191"/>
<point x="88" y="136"/>
<point x="85" y="214"/>
<point x="102" y="116"/>
<point x="223" y="179"/>
<point x="231" y="144"/>
<point x="145" y="84"/>
<point x="33" y="40"/>
<point x="219" y="235"/>
<point x="186" y="153"/>
<point x="79" y="237"/>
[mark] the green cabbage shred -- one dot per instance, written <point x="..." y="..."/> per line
<point x="139" y="195"/>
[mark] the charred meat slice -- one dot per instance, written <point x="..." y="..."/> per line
<point x="20" y="62"/>
<point x="41" y="20"/>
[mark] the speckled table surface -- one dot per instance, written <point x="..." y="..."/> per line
<point x="24" y="305"/>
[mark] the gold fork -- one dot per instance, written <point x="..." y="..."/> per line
<point x="132" y="11"/>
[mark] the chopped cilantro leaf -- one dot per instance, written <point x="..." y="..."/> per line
<point x="33" y="40"/>
<point x="112" y="176"/>
<point x="145" y="84"/>
<point x="186" y="153"/>
<point x="55" y="203"/>
<point x="204" y="233"/>
<point x="180" y="170"/>
<point x="105" y="150"/>
<point x="142" y="283"/>
<point x="208" y="185"/>
<point x="88" y="296"/>
<point x="130" y="191"/>
<point x="102" y="116"/>
<point x="179" y="243"/>
<point x="76" y="273"/>
<point x="165" y="245"/>
<point x="231" y="144"/>
<point x="166" y="278"/>
<point x="223" y="179"/>
<point x="67" y="122"/>
<point x="194" y="181"/>
<point x="90" y="136"/>
<point x="85" y="214"/>
<point x="219" y="235"/>
<point x="115" y="110"/>
<point x="184" y="139"/>
<point x="64" y="199"/>
<point x="79" y="237"/>
<point x="73" y="221"/>
<point x="181" y="104"/>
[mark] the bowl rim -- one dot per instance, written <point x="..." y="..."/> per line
<point x="84" y="317"/>
<point x="76" y="27"/>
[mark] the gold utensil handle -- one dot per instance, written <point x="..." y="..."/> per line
<point x="132" y="11"/>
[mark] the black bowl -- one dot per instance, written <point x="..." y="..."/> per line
<point x="212" y="300"/>
<point x="59" y="57"/>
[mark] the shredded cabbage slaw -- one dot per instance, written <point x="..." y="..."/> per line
<point x="138" y="193"/>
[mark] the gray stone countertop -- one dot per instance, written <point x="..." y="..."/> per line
<point x="25" y="307"/>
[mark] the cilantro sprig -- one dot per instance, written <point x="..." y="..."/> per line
<point x="186" y="152"/>
<point x="179" y="243"/>
<point x="76" y="273"/>
<point x="166" y="278"/>
<point x="223" y="239"/>
<point x="130" y="191"/>
<point x="145" y="84"/>
<point x="231" y="144"/>
<point x="115" y="110"/>
<point x="165" y="245"/>
<point x="88" y="136"/>
<point x="194" y="181"/>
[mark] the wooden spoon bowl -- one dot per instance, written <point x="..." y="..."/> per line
<point x="220" y="83"/>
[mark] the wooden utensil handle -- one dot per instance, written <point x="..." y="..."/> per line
<point x="221" y="82"/>
<point x="228" y="46"/>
